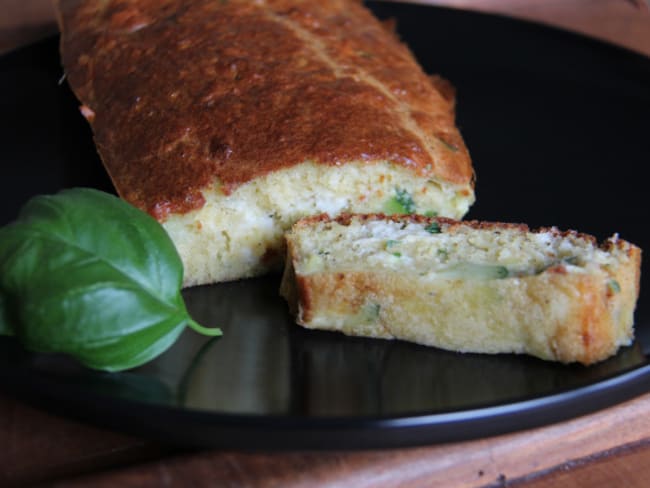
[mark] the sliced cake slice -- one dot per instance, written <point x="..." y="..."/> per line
<point x="464" y="286"/>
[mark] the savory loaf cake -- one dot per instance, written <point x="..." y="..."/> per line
<point x="464" y="286"/>
<point x="230" y="120"/>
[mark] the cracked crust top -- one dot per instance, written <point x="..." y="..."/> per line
<point x="183" y="94"/>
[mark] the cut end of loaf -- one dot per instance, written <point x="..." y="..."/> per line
<point x="241" y="234"/>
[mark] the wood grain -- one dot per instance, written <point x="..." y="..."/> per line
<point x="622" y="22"/>
<point x="528" y="457"/>
<point x="625" y="467"/>
<point x="605" y="449"/>
<point x="24" y="21"/>
<point x="38" y="446"/>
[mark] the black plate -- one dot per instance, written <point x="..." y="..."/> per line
<point x="558" y="129"/>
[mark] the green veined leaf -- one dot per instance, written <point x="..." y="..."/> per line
<point x="89" y="275"/>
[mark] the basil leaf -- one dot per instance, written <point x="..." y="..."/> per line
<point x="87" y="274"/>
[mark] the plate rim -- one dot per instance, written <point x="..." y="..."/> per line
<point x="406" y="430"/>
<point x="206" y="429"/>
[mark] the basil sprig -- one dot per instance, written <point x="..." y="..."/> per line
<point x="84" y="273"/>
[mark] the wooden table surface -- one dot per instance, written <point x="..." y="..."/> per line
<point x="609" y="448"/>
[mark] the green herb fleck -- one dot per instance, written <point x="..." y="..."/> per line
<point x="391" y="243"/>
<point x="475" y="271"/>
<point x="433" y="228"/>
<point x="371" y="311"/>
<point x="502" y="272"/>
<point x="449" y="146"/>
<point x="614" y="286"/>
<point x="392" y="206"/>
<point x="397" y="254"/>
<point x="430" y="213"/>
<point x="401" y="203"/>
<point x="404" y="198"/>
<point x="443" y="254"/>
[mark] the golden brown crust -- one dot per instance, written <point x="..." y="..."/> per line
<point x="184" y="93"/>
<point x="586" y="335"/>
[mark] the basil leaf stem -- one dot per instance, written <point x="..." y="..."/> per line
<point x="207" y="331"/>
